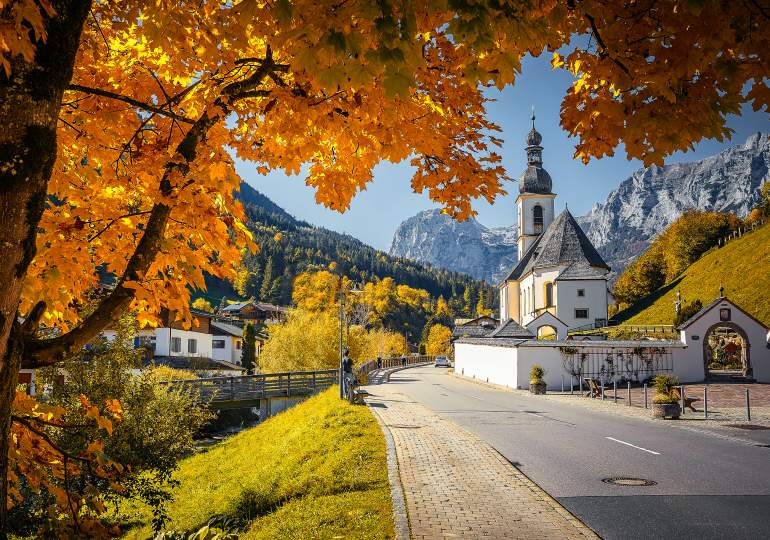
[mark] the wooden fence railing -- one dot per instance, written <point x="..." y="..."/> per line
<point x="251" y="387"/>
<point x="362" y="371"/>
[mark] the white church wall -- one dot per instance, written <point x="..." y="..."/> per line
<point x="490" y="364"/>
<point x="510" y="366"/>
<point x="594" y="299"/>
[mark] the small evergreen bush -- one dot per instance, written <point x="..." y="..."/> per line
<point x="536" y="373"/>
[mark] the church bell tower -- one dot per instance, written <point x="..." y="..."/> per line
<point x="535" y="201"/>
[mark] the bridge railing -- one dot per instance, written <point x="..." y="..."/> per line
<point x="263" y="385"/>
<point x="362" y="370"/>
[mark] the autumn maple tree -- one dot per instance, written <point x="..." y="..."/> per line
<point x="120" y="122"/>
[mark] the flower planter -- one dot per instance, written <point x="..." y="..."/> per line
<point x="537" y="387"/>
<point x="666" y="410"/>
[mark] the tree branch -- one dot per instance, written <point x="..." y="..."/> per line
<point x="600" y="41"/>
<point x="131" y="101"/>
<point x="47" y="352"/>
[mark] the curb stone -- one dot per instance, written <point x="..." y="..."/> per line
<point x="400" y="516"/>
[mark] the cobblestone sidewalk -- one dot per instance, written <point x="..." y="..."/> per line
<point x="457" y="486"/>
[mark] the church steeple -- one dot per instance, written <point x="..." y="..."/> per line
<point x="535" y="179"/>
<point x="534" y="150"/>
<point x="536" y="201"/>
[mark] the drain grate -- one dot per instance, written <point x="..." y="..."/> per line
<point x="404" y="426"/>
<point x="634" y="482"/>
<point x="750" y="427"/>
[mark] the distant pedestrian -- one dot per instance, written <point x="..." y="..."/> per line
<point x="403" y="361"/>
<point x="347" y="373"/>
<point x="379" y="363"/>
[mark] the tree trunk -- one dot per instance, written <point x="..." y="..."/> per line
<point x="29" y="108"/>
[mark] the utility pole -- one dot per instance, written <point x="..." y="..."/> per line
<point x="342" y="324"/>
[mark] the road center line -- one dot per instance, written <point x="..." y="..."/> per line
<point x="633" y="445"/>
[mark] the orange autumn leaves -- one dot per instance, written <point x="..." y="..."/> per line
<point x="354" y="84"/>
<point x="67" y="477"/>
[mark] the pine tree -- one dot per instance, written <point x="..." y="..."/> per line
<point x="267" y="280"/>
<point x="249" y="351"/>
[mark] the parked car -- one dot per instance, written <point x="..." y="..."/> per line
<point x="442" y="361"/>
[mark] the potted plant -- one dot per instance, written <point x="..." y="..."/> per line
<point x="665" y="403"/>
<point x="536" y="382"/>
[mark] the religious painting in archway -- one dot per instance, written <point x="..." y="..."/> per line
<point x="725" y="348"/>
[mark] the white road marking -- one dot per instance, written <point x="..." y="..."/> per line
<point x="633" y="445"/>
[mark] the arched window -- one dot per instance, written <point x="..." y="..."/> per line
<point x="548" y="289"/>
<point x="537" y="218"/>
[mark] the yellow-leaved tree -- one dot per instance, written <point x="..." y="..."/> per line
<point x="120" y="121"/>
<point x="438" y="340"/>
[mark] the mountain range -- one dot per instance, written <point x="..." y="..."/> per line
<point x="621" y="227"/>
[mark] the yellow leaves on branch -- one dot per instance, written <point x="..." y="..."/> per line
<point x="334" y="89"/>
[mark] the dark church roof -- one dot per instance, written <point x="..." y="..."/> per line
<point x="511" y="329"/>
<point x="563" y="242"/>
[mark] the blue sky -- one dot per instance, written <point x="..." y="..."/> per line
<point x="389" y="199"/>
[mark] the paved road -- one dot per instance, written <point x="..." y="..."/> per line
<point x="708" y="486"/>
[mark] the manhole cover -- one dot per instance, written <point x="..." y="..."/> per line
<point x="629" y="481"/>
<point x="751" y="427"/>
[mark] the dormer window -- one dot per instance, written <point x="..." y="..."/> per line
<point x="537" y="218"/>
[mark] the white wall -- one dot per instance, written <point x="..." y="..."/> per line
<point x="162" y="341"/>
<point x="567" y="300"/>
<point x="509" y="366"/>
<point x="490" y="364"/>
<point x="231" y="352"/>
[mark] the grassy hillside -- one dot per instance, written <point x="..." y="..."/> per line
<point x="317" y="470"/>
<point x="742" y="267"/>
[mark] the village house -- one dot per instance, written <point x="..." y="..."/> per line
<point x="254" y="312"/>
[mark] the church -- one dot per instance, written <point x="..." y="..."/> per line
<point x="560" y="278"/>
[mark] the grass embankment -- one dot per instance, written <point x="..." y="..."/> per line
<point x="318" y="470"/>
<point x="742" y="267"/>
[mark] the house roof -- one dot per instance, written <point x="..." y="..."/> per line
<point x="473" y="329"/>
<point x="262" y="306"/>
<point x="511" y="329"/>
<point x="712" y="305"/>
<point x="563" y="242"/>
<point x="224" y="329"/>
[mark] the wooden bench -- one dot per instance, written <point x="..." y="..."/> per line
<point x="688" y="401"/>
<point x="594" y="389"/>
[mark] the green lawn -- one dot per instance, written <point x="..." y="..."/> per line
<point x="317" y="470"/>
<point x="742" y="267"/>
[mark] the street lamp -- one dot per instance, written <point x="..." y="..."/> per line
<point x="343" y="326"/>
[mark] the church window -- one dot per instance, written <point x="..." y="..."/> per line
<point x="581" y="292"/>
<point x="581" y="313"/>
<point x="548" y="290"/>
<point x="537" y="217"/>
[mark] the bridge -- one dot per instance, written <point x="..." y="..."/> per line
<point x="265" y="390"/>
<point x="274" y="392"/>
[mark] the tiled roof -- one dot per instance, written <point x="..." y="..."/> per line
<point x="472" y="330"/>
<point x="220" y="328"/>
<point x="563" y="242"/>
<point x="511" y="329"/>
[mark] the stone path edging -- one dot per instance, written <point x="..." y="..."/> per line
<point x="400" y="517"/>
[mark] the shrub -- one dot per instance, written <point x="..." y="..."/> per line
<point x="536" y="373"/>
<point x="664" y="388"/>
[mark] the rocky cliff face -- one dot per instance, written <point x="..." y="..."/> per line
<point x="651" y="199"/>
<point x="621" y="227"/>
<point x="467" y="247"/>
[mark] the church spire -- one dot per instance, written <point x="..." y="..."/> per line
<point x="534" y="150"/>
